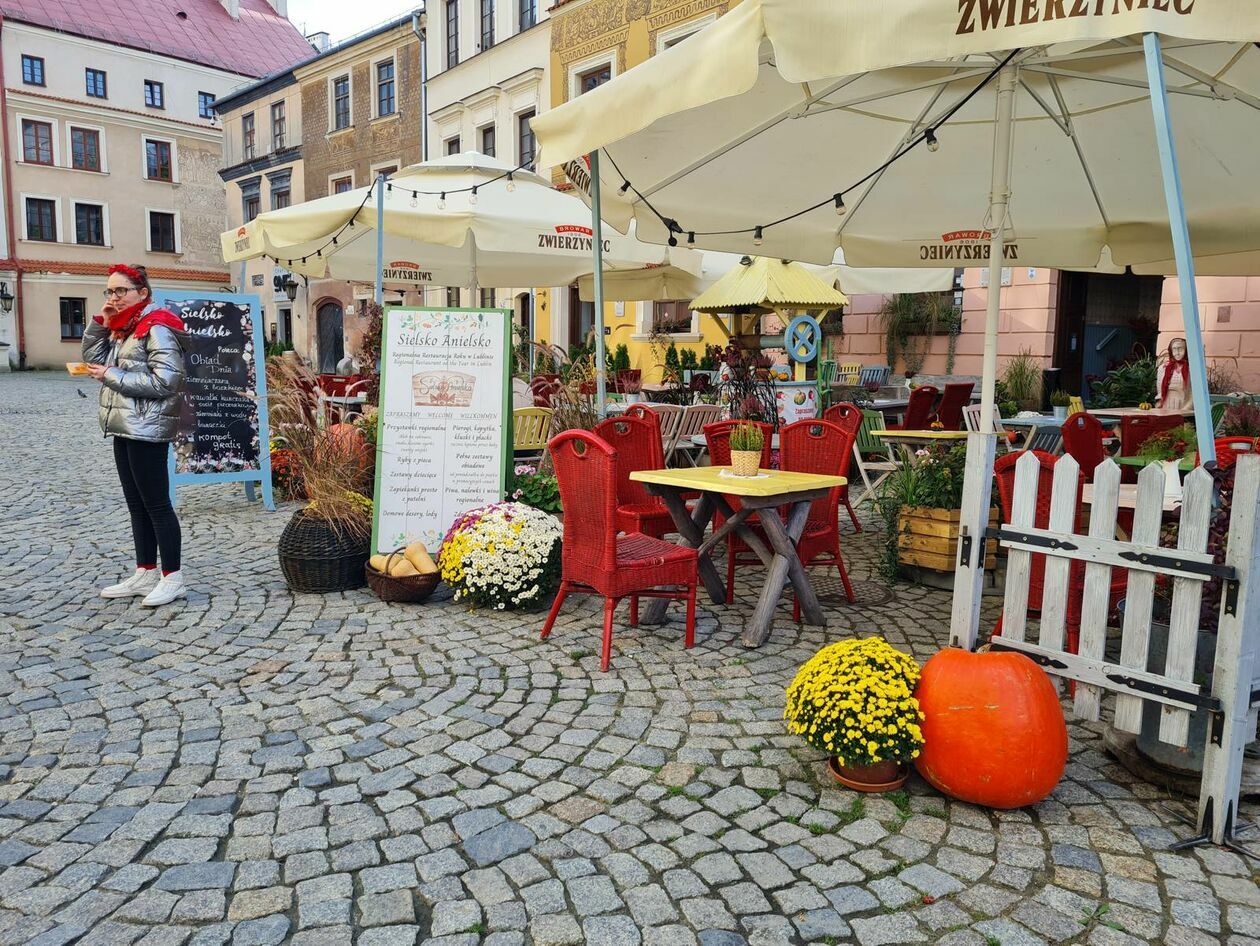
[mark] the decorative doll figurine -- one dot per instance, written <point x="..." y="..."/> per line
<point x="1174" y="378"/>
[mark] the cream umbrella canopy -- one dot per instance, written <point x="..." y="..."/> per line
<point x="513" y="231"/>
<point x="667" y="282"/>
<point x="954" y="132"/>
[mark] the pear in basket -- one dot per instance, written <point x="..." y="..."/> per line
<point x="419" y="556"/>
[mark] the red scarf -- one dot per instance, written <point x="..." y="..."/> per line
<point x="133" y="321"/>
<point x="1168" y="370"/>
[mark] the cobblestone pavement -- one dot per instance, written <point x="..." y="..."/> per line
<point x="257" y="768"/>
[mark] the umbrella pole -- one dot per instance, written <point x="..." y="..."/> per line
<point x="597" y="244"/>
<point x="1181" y="248"/>
<point x="981" y="446"/>
<point x="380" y="239"/>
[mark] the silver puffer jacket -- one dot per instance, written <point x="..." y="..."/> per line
<point x="140" y="391"/>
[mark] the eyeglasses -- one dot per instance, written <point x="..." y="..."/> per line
<point x="119" y="291"/>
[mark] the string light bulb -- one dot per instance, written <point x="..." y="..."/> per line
<point x="840" y="207"/>
<point x="756" y="236"/>
<point x="930" y="137"/>
<point x="442" y="201"/>
<point x="625" y="186"/>
<point x="472" y="197"/>
<point x="691" y="238"/>
<point x="511" y="184"/>
<point x="415" y="199"/>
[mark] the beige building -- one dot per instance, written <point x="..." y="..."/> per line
<point x="487" y="65"/>
<point x="112" y="149"/>
<point x="263" y="170"/>
<point x="361" y="116"/>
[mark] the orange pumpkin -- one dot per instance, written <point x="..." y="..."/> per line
<point x="993" y="728"/>
<point x="346" y="444"/>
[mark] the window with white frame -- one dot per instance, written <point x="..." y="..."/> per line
<point x="341" y="102"/>
<point x="32" y="70"/>
<point x="593" y="77"/>
<point x="487" y="140"/>
<point x="89" y="224"/>
<point x="37" y="142"/>
<point x="672" y="37"/>
<point x="452" y="145"/>
<point x="525" y="139"/>
<point x="528" y="13"/>
<point x="163" y="231"/>
<point x="487" y="23"/>
<point x="279" y="126"/>
<point x="205" y="104"/>
<point x="386" y="100"/>
<point x="85" y="149"/>
<point x="41" y="218"/>
<point x="671" y="318"/>
<point x="249" y="137"/>
<point x="339" y="185"/>
<point x="452" y="33"/>
<point x="73" y="318"/>
<point x="154" y="94"/>
<point x="94" y="79"/>
<point x="159" y="160"/>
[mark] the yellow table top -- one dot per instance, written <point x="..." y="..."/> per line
<point x="920" y="434"/>
<point x="710" y="478"/>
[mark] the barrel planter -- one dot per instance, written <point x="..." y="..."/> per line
<point x="928" y="538"/>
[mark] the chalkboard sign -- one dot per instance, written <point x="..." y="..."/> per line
<point x="223" y="434"/>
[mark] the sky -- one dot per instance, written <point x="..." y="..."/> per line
<point x="342" y="19"/>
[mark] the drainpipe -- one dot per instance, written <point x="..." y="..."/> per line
<point x="420" y="26"/>
<point x="11" y="235"/>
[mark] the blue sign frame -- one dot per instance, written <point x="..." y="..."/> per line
<point x="248" y="477"/>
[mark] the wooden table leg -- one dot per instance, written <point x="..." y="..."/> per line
<point x="785" y="566"/>
<point x="691" y="526"/>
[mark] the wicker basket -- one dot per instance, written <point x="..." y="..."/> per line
<point x="745" y="462"/>
<point x="317" y="559"/>
<point x="411" y="589"/>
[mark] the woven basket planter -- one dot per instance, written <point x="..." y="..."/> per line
<point x="316" y="559"/>
<point x="411" y="588"/>
<point x="745" y="462"/>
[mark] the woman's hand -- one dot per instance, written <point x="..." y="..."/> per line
<point x="98" y="371"/>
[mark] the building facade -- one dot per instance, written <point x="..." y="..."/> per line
<point x="112" y="149"/>
<point x="487" y="64"/>
<point x="361" y="117"/>
<point x="263" y="170"/>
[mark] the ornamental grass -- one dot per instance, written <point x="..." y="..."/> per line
<point x="855" y="700"/>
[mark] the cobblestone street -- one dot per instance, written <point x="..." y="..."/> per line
<point x="255" y="768"/>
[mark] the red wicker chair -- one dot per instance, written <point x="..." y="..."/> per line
<point x="1228" y="449"/>
<point x="919" y="409"/>
<point x="718" y="437"/>
<point x="849" y="418"/>
<point x="594" y="558"/>
<point x="1083" y="440"/>
<point x="1004" y="473"/>
<point x="637" y="441"/>
<point x="819" y="446"/>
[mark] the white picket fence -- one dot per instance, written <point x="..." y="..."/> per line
<point x="1234" y="693"/>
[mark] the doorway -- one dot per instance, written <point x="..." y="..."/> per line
<point x="1103" y="320"/>
<point x="581" y="318"/>
<point x="328" y="321"/>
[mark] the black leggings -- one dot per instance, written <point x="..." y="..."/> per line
<point x="146" y="484"/>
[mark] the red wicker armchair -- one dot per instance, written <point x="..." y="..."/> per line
<point x="819" y="446"/>
<point x="594" y="558"/>
<point x="637" y="440"/>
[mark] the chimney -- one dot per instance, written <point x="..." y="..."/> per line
<point x="280" y="6"/>
<point x="233" y="8"/>
<point x="321" y="41"/>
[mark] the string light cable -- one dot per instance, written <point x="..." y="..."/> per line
<point x="926" y="137"/>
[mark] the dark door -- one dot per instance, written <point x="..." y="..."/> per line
<point x="331" y="337"/>
<point x="581" y="318"/>
<point x="1103" y="320"/>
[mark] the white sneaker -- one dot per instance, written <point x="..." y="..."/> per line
<point x="168" y="589"/>
<point x="141" y="583"/>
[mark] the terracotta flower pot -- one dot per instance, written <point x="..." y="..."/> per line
<point x="880" y="777"/>
<point x="745" y="462"/>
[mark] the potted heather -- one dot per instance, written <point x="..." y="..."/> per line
<point x="1170" y="447"/>
<point x="746" y="445"/>
<point x="1059" y="402"/>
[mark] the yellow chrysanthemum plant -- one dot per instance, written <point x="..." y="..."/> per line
<point x="855" y="701"/>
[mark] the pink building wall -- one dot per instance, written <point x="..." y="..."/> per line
<point x="1229" y="308"/>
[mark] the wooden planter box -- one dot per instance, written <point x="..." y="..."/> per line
<point x="928" y="538"/>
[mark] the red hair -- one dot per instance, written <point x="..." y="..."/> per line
<point x="137" y="275"/>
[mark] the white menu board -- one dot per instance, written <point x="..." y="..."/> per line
<point x="443" y="436"/>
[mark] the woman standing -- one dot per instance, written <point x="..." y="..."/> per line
<point x="135" y="349"/>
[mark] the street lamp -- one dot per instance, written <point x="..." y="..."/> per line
<point x="290" y="287"/>
<point x="6" y="297"/>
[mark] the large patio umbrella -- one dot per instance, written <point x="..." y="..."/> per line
<point x="514" y="231"/>
<point x="943" y="132"/>
<point x="667" y="282"/>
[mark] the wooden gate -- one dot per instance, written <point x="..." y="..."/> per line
<point x="1233" y="695"/>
